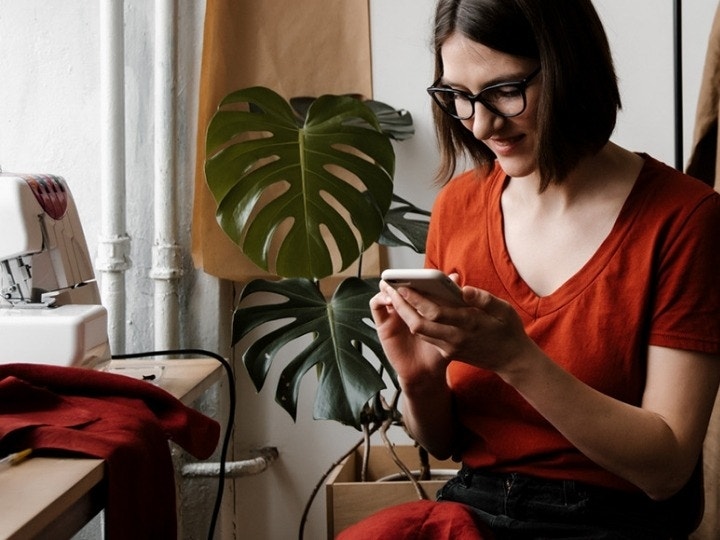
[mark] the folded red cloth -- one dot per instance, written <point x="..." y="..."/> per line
<point x="420" y="520"/>
<point x="125" y="421"/>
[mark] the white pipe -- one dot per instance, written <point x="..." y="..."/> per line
<point x="233" y="469"/>
<point x="166" y="264"/>
<point x="114" y="244"/>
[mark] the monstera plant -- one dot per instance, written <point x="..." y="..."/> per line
<point x="304" y="188"/>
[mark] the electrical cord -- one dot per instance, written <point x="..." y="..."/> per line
<point x="230" y="419"/>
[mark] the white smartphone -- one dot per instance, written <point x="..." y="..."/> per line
<point x="427" y="281"/>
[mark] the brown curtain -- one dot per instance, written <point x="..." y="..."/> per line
<point x="297" y="48"/>
<point x="705" y="164"/>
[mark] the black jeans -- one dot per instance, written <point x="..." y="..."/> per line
<point x="521" y="507"/>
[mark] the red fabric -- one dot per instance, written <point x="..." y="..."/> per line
<point x="125" y="421"/>
<point x="653" y="281"/>
<point x="419" y="520"/>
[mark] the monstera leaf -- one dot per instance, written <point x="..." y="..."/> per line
<point x="338" y="330"/>
<point x="280" y="182"/>
<point x="396" y="124"/>
<point x="414" y="231"/>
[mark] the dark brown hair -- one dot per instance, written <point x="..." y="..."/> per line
<point x="579" y="96"/>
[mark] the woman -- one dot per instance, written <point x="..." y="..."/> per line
<point x="577" y="383"/>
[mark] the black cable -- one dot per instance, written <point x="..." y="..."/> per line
<point x="230" y="420"/>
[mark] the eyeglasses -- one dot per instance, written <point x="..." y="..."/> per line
<point x="506" y="99"/>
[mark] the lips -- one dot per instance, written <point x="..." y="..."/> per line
<point x="505" y="145"/>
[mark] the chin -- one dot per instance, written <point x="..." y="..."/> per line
<point x="517" y="168"/>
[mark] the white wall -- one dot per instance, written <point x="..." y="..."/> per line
<point x="49" y="122"/>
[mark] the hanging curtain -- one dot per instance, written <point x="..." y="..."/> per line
<point x="705" y="164"/>
<point x="297" y="48"/>
<point x="705" y="159"/>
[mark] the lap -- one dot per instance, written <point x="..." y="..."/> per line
<point x="521" y="507"/>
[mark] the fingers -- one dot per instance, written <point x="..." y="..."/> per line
<point x="381" y="307"/>
<point x="379" y="301"/>
<point x="423" y="318"/>
<point x="489" y="304"/>
<point x="396" y="299"/>
<point x="410" y="303"/>
<point x="484" y="332"/>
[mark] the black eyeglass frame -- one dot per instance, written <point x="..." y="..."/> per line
<point x="521" y="86"/>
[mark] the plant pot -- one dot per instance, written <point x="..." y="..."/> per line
<point x="348" y="500"/>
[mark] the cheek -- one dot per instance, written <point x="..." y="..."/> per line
<point x="467" y="124"/>
<point x="533" y="109"/>
<point x="527" y="122"/>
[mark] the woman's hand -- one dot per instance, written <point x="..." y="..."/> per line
<point x="421" y="368"/>
<point x="420" y="337"/>
<point x="411" y="356"/>
<point x="486" y="333"/>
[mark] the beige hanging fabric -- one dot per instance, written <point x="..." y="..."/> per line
<point x="705" y="158"/>
<point x="306" y="48"/>
<point x="704" y="164"/>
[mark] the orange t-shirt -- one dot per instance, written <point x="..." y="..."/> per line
<point x="653" y="281"/>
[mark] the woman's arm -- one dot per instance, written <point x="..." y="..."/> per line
<point x="655" y="446"/>
<point x="421" y="369"/>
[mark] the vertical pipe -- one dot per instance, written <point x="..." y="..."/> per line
<point x="166" y="267"/>
<point x="114" y="244"/>
<point x="677" y="39"/>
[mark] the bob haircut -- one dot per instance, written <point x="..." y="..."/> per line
<point x="579" y="97"/>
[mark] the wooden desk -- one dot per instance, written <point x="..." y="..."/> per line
<point x="54" y="498"/>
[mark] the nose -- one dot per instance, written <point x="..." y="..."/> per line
<point x="484" y="122"/>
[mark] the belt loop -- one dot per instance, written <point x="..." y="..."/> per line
<point x="466" y="476"/>
<point x="570" y="492"/>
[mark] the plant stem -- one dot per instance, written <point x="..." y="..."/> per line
<point x="424" y="463"/>
<point x="320" y="483"/>
<point x="383" y="434"/>
<point x="387" y="421"/>
<point x="366" y="453"/>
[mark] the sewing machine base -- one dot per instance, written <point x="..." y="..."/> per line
<point x="69" y="335"/>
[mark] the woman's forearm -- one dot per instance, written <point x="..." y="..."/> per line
<point x="655" y="446"/>
<point x="428" y="415"/>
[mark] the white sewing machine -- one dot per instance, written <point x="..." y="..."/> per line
<point x="50" y="310"/>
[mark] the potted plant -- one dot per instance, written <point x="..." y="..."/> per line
<point x="304" y="188"/>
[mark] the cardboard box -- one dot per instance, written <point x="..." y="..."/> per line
<point x="348" y="500"/>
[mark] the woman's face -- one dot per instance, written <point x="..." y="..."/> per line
<point x="470" y="67"/>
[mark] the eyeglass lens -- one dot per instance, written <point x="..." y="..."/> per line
<point x="505" y="100"/>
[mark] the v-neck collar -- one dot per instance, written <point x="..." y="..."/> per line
<point x="521" y="293"/>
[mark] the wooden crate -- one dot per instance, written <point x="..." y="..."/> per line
<point x="348" y="500"/>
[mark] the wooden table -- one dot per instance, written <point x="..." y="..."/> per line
<point x="54" y="498"/>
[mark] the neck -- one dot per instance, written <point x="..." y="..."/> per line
<point x="601" y="174"/>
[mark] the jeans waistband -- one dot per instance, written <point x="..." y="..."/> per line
<point x="570" y="491"/>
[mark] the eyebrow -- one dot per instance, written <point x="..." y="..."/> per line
<point x="492" y="82"/>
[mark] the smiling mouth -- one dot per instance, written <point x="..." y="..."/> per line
<point x="506" y="143"/>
